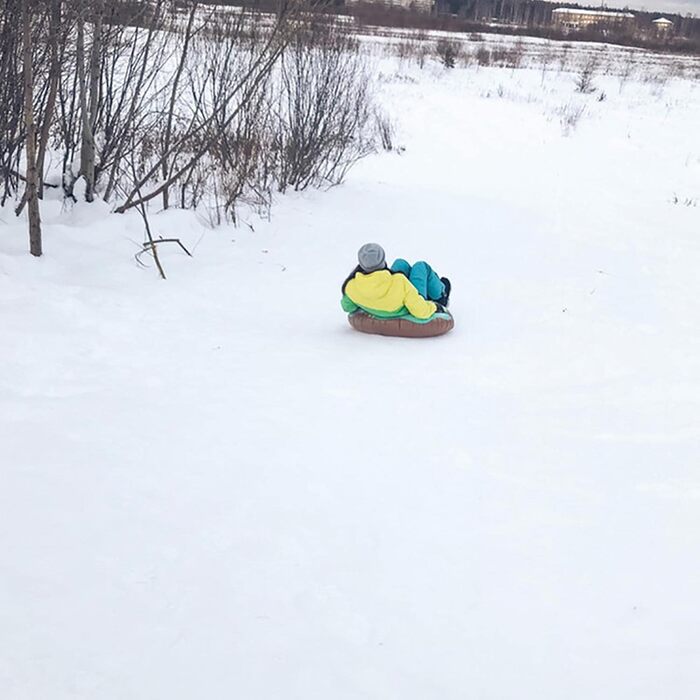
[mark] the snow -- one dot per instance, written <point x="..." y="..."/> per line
<point x="213" y="487"/>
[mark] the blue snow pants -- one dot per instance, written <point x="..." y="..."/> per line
<point x="422" y="277"/>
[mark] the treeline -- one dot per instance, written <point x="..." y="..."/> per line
<point x="538" y="13"/>
<point x="518" y="17"/>
<point x="526" y="18"/>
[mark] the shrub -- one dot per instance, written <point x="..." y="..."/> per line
<point x="569" y="117"/>
<point x="325" y="109"/>
<point x="447" y="52"/>
<point x="584" y="79"/>
<point x="385" y="130"/>
<point x="483" y="56"/>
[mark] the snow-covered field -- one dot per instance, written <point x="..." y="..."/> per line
<point x="211" y="487"/>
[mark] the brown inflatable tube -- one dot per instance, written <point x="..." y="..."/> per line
<point x="401" y="327"/>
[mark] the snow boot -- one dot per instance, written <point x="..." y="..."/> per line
<point x="445" y="298"/>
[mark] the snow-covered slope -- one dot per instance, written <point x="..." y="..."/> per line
<point x="212" y="487"/>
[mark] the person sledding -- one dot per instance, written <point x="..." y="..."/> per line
<point x="396" y="291"/>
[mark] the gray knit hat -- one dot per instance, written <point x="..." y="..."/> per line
<point x="371" y="257"/>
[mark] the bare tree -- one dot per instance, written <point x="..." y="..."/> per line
<point x="174" y="93"/>
<point x="54" y="79"/>
<point x="32" y="191"/>
<point x="130" y="110"/>
<point x="11" y="98"/>
<point x="88" y="86"/>
<point x="194" y="143"/>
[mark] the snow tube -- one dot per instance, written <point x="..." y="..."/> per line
<point x="404" y="326"/>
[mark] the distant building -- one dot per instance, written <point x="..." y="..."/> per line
<point x="663" y="27"/>
<point x="572" y="19"/>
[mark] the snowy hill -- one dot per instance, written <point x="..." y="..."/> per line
<point x="212" y="487"/>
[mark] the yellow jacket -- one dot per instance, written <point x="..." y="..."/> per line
<point x="385" y="294"/>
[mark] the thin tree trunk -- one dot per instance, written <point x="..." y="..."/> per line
<point x="95" y="54"/>
<point x="32" y="173"/>
<point x="171" y="107"/>
<point x="89" y="111"/>
<point x="82" y="92"/>
<point x="54" y="77"/>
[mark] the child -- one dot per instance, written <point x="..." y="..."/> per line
<point x="390" y="293"/>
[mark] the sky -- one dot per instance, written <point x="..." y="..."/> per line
<point x="682" y="7"/>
